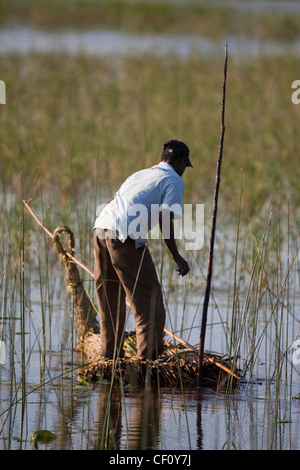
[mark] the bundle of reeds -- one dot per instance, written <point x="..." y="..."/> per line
<point x="176" y="365"/>
<point x="85" y="313"/>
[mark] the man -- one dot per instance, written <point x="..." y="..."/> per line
<point x="123" y="264"/>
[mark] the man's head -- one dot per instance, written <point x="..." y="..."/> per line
<point x="176" y="153"/>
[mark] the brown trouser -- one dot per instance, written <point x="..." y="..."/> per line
<point x="122" y="270"/>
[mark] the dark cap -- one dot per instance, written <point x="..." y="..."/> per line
<point x="175" y="148"/>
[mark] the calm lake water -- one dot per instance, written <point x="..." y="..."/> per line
<point x="262" y="414"/>
<point x="99" y="42"/>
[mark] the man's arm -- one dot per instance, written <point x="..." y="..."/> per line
<point x="167" y="230"/>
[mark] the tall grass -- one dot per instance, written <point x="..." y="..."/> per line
<point x="97" y="121"/>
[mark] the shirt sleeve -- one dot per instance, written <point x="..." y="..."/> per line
<point x="173" y="197"/>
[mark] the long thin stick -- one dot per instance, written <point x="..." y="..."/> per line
<point x="212" y="236"/>
<point x="210" y="359"/>
<point x="51" y="235"/>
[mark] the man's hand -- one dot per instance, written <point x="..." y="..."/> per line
<point x="183" y="267"/>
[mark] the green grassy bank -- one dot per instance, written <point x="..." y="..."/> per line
<point x="83" y="121"/>
<point x="204" y="18"/>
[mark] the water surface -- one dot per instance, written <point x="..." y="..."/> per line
<point x="110" y="43"/>
<point x="261" y="414"/>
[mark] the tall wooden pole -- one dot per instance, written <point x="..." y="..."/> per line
<point x="212" y="235"/>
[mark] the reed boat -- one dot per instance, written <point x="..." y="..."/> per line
<point x="176" y="365"/>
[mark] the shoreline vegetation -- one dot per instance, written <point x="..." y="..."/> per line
<point x="93" y="124"/>
<point x="205" y="18"/>
<point x="100" y="119"/>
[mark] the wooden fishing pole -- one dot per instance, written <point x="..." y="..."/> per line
<point x="212" y="235"/>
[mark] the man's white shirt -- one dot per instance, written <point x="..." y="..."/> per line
<point x="134" y="211"/>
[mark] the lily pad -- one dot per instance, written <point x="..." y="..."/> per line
<point x="42" y="437"/>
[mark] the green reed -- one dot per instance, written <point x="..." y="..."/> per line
<point x="263" y="322"/>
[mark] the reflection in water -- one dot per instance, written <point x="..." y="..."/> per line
<point x="199" y="425"/>
<point x="137" y="418"/>
<point x="130" y="418"/>
<point x="144" y="423"/>
<point x="107" y="428"/>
